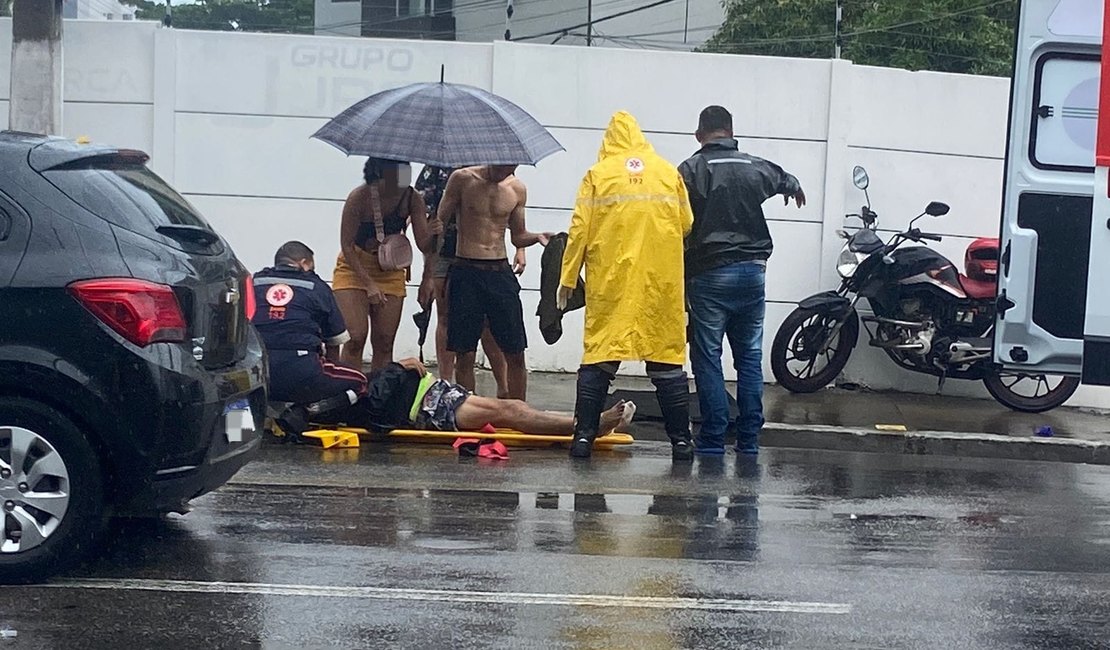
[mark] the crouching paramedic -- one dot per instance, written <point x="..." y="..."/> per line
<point x="302" y="329"/>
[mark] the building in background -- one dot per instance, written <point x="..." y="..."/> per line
<point x="97" y="10"/>
<point x="339" y="17"/>
<point x="675" y="25"/>
<point x="670" y="25"/>
<point x="421" y="19"/>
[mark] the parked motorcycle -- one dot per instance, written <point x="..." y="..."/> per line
<point x="928" y="317"/>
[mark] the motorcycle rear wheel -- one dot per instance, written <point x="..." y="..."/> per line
<point x="1003" y="388"/>
<point x="793" y="359"/>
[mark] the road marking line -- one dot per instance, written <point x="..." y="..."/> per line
<point x="450" y="596"/>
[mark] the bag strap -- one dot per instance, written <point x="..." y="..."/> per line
<point x="376" y="209"/>
<point x="409" y="192"/>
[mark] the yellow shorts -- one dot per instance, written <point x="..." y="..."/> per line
<point x="392" y="283"/>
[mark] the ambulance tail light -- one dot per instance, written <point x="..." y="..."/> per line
<point x="248" y="303"/>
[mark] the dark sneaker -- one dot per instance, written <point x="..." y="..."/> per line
<point x="293" y="421"/>
<point x="581" y="448"/>
<point x="682" y="451"/>
<point x="747" y="445"/>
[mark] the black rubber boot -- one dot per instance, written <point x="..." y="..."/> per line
<point x="293" y="421"/>
<point x="593" y="389"/>
<point x="673" y="392"/>
<point x="682" y="451"/>
<point x="582" y="447"/>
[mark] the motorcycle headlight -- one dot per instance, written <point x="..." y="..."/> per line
<point x="847" y="263"/>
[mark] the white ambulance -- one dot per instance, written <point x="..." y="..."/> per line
<point x="1054" y="270"/>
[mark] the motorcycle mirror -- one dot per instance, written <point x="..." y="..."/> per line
<point x="936" y="209"/>
<point x="860" y="178"/>
<point x="843" y="234"/>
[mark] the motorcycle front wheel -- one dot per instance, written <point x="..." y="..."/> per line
<point x="797" y="360"/>
<point x="1030" y="393"/>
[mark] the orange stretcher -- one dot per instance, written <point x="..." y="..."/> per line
<point x="344" y="437"/>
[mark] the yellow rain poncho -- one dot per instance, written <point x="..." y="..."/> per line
<point x="629" y="223"/>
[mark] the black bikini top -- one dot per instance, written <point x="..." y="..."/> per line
<point x="392" y="223"/>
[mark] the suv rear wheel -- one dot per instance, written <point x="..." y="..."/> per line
<point x="51" y="491"/>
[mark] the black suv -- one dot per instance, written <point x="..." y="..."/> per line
<point x="131" y="380"/>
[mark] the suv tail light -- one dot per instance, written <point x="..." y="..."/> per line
<point x="141" y="312"/>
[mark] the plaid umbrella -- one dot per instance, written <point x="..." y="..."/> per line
<point x="440" y="124"/>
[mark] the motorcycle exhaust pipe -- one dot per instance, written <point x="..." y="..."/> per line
<point x="890" y="345"/>
<point x="973" y="354"/>
<point x="890" y="321"/>
<point x="970" y="359"/>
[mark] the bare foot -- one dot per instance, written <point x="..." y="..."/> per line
<point x="617" y="418"/>
<point x="611" y="419"/>
<point x="626" y="417"/>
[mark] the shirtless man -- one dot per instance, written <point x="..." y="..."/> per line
<point x="481" y="283"/>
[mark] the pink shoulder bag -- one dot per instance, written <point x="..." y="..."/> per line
<point x="394" y="251"/>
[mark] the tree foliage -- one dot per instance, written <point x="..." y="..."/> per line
<point x="967" y="36"/>
<point x="286" y="16"/>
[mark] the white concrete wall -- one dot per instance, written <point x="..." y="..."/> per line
<point x="227" y="119"/>
<point x="926" y="136"/>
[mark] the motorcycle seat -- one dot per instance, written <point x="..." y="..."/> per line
<point x="978" y="289"/>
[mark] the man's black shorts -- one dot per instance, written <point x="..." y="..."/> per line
<point x="481" y="289"/>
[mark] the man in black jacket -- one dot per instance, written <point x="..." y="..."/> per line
<point x="726" y="263"/>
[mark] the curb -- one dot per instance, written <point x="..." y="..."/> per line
<point x="935" y="443"/>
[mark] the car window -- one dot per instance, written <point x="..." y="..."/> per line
<point x="128" y="195"/>
<point x="1065" y="112"/>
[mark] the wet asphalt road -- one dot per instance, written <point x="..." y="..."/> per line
<point x="412" y="547"/>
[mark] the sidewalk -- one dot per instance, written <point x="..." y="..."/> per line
<point x="844" y="420"/>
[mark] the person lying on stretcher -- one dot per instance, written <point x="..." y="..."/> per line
<point x="404" y="395"/>
<point x="301" y="326"/>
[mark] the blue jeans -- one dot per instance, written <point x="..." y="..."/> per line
<point x="728" y="301"/>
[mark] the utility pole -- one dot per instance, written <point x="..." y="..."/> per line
<point x="686" y="24"/>
<point x="36" y="69"/>
<point x="589" y="22"/>
<point x="839" y="17"/>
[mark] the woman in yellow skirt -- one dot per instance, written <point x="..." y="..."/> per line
<point x="370" y="297"/>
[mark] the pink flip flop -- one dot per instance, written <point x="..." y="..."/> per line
<point x="494" y="449"/>
<point x="467" y="447"/>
